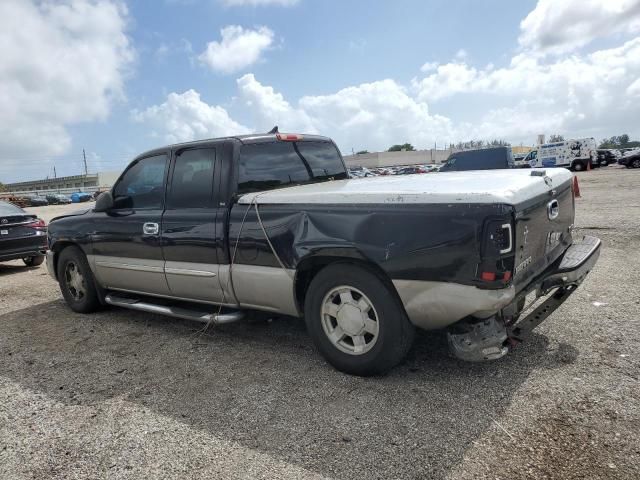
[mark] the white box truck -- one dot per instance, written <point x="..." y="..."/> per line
<point x="573" y="154"/>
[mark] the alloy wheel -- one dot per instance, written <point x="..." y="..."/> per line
<point x="350" y="320"/>
<point x="74" y="281"/>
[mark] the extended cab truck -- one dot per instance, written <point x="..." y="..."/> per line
<point x="209" y="229"/>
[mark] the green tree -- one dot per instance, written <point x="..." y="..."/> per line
<point x="619" y="141"/>
<point x="362" y="152"/>
<point x="2" y="187"/>
<point x="398" y="148"/>
<point x="475" y="144"/>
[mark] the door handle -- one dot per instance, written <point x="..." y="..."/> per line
<point x="150" y="228"/>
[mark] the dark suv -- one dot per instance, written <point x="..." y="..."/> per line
<point x="481" y="159"/>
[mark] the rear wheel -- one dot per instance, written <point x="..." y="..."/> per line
<point x="33" y="261"/>
<point x="578" y="166"/>
<point x="355" y="321"/>
<point x="76" y="281"/>
<point x="635" y="163"/>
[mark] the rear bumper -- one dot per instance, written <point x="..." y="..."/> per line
<point x="564" y="277"/>
<point x="570" y="269"/>
<point x="19" y="254"/>
<point x="23" y="247"/>
<point x="490" y="338"/>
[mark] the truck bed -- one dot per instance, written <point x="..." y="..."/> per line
<point x="512" y="186"/>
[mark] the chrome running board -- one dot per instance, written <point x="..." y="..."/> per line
<point x="176" y="312"/>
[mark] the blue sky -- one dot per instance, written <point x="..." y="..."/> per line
<point x="116" y="78"/>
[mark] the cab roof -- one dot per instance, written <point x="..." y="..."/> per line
<point x="250" y="138"/>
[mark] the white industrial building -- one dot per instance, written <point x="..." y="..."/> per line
<point x="74" y="183"/>
<point x="390" y="159"/>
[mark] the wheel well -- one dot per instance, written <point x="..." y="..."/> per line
<point x="57" y="248"/>
<point x="309" y="268"/>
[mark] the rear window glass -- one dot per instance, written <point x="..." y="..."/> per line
<point x="478" y="160"/>
<point x="9" y="209"/>
<point x="264" y="166"/>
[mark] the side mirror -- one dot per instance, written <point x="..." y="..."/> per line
<point x="104" y="202"/>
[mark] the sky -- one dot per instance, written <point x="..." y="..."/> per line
<point x="116" y="78"/>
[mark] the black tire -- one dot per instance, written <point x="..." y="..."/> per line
<point x="395" y="333"/>
<point x="33" y="261"/>
<point x="72" y="258"/>
<point x="578" y="166"/>
<point x="635" y="163"/>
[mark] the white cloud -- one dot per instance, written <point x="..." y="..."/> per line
<point x="270" y="108"/>
<point x="578" y="92"/>
<point x="62" y="63"/>
<point x="184" y="116"/>
<point x="258" y="3"/>
<point x="238" y="49"/>
<point x="561" y="26"/>
<point x="372" y="115"/>
<point x="461" y="54"/>
<point x="429" y="66"/>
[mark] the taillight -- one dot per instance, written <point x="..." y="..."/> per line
<point x="288" y="137"/>
<point x="38" y="224"/>
<point x="498" y="238"/>
<point x="496" y="267"/>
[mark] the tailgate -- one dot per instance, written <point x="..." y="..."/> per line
<point x="543" y="232"/>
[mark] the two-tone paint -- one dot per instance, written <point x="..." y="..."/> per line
<point x="423" y="234"/>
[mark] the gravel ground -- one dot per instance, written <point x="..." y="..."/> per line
<point x="121" y="394"/>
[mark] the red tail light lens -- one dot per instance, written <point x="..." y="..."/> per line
<point x="288" y="137"/>
<point x="38" y="223"/>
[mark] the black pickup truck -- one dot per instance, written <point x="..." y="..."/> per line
<point x="210" y="229"/>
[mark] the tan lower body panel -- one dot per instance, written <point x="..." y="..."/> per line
<point x="433" y="305"/>
<point x="265" y="288"/>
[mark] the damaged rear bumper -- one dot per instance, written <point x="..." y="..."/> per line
<point x="476" y="339"/>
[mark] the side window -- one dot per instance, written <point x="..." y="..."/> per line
<point x="142" y="185"/>
<point x="192" y="180"/>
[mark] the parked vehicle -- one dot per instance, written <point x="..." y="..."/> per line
<point x="22" y="235"/>
<point x="79" y="197"/>
<point x="575" y="155"/>
<point x="207" y="230"/>
<point x="34" y="201"/>
<point x="480" y="159"/>
<point x="519" y="160"/>
<point x="410" y="171"/>
<point x="605" y="157"/>
<point x="57" y="199"/>
<point x="630" y="158"/>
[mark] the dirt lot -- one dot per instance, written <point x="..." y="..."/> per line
<point x="131" y="395"/>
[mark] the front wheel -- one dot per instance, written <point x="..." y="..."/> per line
<point x="76" y="281"/>
<point x="355" y="321"/>
<point x="33" y="261"/>
<point x="635" y="163"/>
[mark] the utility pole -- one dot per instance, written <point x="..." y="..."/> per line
<point x="54" y="172"/>
<point x="84" y="157"/>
